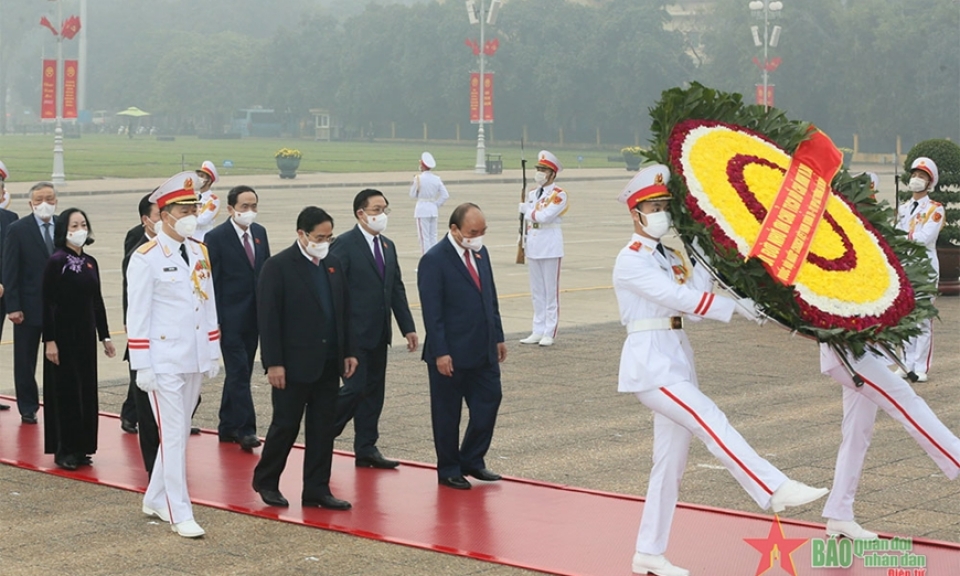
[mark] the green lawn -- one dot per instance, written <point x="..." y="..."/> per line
<point x="30" y="158"/>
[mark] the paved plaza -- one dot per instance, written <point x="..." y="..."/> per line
<point x="561" y="421"/>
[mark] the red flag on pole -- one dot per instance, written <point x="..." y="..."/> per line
<point x="70" y="27"/>
<point x="69" y="106"/>
<point x="46" y="24"/>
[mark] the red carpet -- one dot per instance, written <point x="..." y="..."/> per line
<point x="546" y="527"/>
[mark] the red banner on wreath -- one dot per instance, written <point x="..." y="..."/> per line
<point x="787" y="231"/>
<point x="48" y="90"/>
<point x="475" y="97"/>
<point x="69" y="89"/>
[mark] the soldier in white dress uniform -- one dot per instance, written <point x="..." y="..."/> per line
<point x="543" y="247"/>
<point x="172" y="348"/>
<point x="922" y="218"/>
<point x="657" y="292"/>
<point x="430" y="193"/>
<point x="209" y="202"/>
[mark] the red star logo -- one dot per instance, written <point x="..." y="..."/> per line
<point x="774" y="546"/>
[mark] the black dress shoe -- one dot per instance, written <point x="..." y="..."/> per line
<point x="84" y="460"/>
<point x="328" y="502"/>
<point x="912" y="376"/>
<point x="273" y="498"/>
<point x="128" y="426"/>
<point x="483" y="474"/>
<point x="29" y="418"/>
<point x="68" y="462"/>
<point x="455" y="482"/>
<point x="194" y="430"/>
<point x="248" y="443"/>
<point x="375" y="461"/>
<point x="4" y="407"/>
<point x="227" y="438"/>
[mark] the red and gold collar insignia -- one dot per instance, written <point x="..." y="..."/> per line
<point x="636" y="246"/>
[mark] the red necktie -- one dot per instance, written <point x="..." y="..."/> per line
<point x="471" y="269"/>
<point x="248" y="249"/>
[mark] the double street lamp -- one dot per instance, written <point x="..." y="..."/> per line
<point x="766" y="10"/>
<point x="58" y="177"/>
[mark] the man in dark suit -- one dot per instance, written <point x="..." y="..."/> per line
<point x="370" y="264"/>
<point x="28" y="244"/>
<point x="139" y="411"/>
<point x="7" y="218"/>
<point x="238" y="248"/>
<point x="463" y="347"/>
<point x="306" y="345"/>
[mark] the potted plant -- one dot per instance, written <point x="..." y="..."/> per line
<point x="631" y="155"/>
<point x="288" y="160"/>
<point x="947" y="192"/>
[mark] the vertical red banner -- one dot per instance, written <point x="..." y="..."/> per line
<point x="475" y="97"/>
<point x="70" y="88"/>
<point x="769" y="95"/>
<point x="48" y="90"/>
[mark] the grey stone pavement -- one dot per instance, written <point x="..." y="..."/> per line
<point x="561" y="421"/>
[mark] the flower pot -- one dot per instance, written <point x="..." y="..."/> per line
<point x="288" y="167"/>
<point x="633" y="162"/>
<point x="949" y="257"/>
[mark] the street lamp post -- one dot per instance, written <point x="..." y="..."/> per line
<point x="58" y="177"/>
<point x="767" y="10"/>
<point x="482" y="17"/>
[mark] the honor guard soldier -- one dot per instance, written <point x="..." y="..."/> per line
<point x="430" y="193"/>
<point x="921" y="218"/>
<point x="209" y="203"/>
<point x="543" y="246"/>
<point x="172" y="348"/>
<point x="4" y="195"/>
<point x="657" y="292"/>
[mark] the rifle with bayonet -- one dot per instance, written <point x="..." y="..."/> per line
<point x="523" y="198"/>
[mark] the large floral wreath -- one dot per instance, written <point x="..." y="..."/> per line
<point x="862" y="283"/>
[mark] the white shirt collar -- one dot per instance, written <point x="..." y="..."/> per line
<point x="240" y="231"/>
<point x="304" y="252"/>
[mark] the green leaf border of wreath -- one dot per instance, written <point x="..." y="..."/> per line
<point x="749" y="277"/>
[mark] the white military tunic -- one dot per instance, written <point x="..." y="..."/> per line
<point x="207" y="214"/>
<point x="172" y="329"/>
<point x="543" y="247"/>
<point x="430" y="194"/>
<point x="922" y="223"/>
<point x="657" y="366"/>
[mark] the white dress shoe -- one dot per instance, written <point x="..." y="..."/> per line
<point x="850" y="529"/>
<point x="899" y="372"/>
<point x="793" y="493"/>
<point x="546" y="341"/>
<point x="921" y="376"/>
<point x="161" y="514"/>
<point x="659" y="565"/>
<point x="188" y="529"/>
<point x="532" y="339"/>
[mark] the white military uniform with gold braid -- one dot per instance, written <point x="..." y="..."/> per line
<point x="172" y="329"/>
<point x="430" y="193"/>
<point x="543" y="247"/>
<point x="206" y="214"/>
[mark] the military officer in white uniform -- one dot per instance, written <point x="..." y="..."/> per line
<point x="922" y="218"/>
<point x="209" y="202"/>
<point x="543" y="247"/>
<point x="430" y="193"/>
<point x="172" y="348"/>
<point x="657" y="292"/>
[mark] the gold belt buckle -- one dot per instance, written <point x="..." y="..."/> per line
<point x="536" y="225"/>
<point x="676" y="323"/>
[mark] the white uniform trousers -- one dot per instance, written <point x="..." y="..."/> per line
<point x="545" y="290"/>
<point x="918" y="351"/>
<point x="427" y="233"/>
<point x="682" y="410"/>
<point x="882" y="388"/>
<point x="172" y="403"/>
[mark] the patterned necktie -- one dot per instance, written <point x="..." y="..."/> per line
<point x="471" y="269"/>
<point x="378" y="255"/>
<point x="183" y="252"/>
<point x="47" y="237"/>
<point x="248" y="248"/>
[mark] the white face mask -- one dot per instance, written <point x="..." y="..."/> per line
<point x="317" y="250"/>
<point x="6" y="201"/>
<point x="44" y="210"/>
<point x="917" y="184"/>
<point x="540" y="177"/>
<point x="474" y="244"/>
<point x="77" y="238"/>
<point x="245" y="219"/>
<point x="186" y="226"/>
<point x="377" y="223"/>
<point x="658" y="223"/>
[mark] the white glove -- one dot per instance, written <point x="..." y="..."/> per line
<point x="146" y="380"/>
<point x="697" y="249"/>
<point x="524" y="208"/>
<point x="747" y="308"/>
<point x="213" y="371"/>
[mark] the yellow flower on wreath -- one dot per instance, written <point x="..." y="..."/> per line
<point x="288" y="153"/>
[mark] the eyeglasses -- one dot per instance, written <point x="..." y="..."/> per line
<point x="321" y="239"/>
<point x="377" y="211"/>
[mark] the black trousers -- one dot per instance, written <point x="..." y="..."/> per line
<point x="480" y="389"/>
<point x="361" y="398"/>
<point x="128" y="410"/>
<point x="148" y="435"/>
<point x="26" y="342"/>
<point x="318" y="401"/>
<point x="237" y="415"/>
